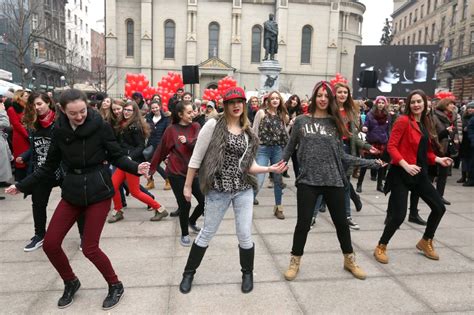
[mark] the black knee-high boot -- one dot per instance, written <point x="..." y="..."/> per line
<point x="194" y="260"/>
<point x="246" y="262"/>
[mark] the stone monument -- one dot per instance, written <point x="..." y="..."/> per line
<point x="270" y="68"/>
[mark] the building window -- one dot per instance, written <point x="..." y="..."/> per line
<point x="428" y="7"/>
<point x="35" y="49"/>
<point x="34" y="21"/>
<point x="69" y="14"/>
<point x="130" y="37"/>
<point x="419" y="37"/>
<point x="461" y="46"/>
<point x="443" y="24"/>
<point x="422" y="11"/>
<point x="87" y="44"/>
<point x="69" y="34"/>
<point x="75" y="38"/>
<point x="256" y="43"/>
<point x="435" y="4"/>
<point x="80" y="23"/>
<point x="414" y="38"/>
<point x="433" y="30"/>
<point x="80" y="4"/>
<point x="464" y="10"/>
<point x="214" y="40"/>
<point x="455" y="12"/>
<point x="75" y="19"/>
<point x="449" y="53"/>
<point x="416" y="15"/>
<point x="82" y="41"/>
<point x="405" y="22"/>
<point x="410" y="19"/>
<point x="408" y="40"/>
<point x="86" y="9"/>
<point x="471" y="48"/>
<point x="306" y="37"/>
<point x="426" y="35"/>
<point x="170" y="38"/>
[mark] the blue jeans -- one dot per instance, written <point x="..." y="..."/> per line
<point x="216" y="205"/>
<point x="266" y="156"/>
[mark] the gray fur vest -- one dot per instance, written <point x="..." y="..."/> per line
<point x="214" y="158"/>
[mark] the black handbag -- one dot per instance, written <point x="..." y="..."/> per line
<point x="148" y="152"/>
<point x="452" y="150"/>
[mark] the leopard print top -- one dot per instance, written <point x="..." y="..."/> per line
<point x="230" y="178"/>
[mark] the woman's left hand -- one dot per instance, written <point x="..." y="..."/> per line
<point x="444" y="161"/>
<point x="143" y="168"/>
<point x="381" y="163"/>
<point x="279" y="167"/>
<point x="182" y="139"/>
<point x="374" y="151"/>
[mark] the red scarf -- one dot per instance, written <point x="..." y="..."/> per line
<point x="47" y="119"/>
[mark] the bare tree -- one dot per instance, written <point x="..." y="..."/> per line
<point x="24" y="27"/>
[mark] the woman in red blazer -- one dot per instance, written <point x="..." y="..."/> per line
<point x="20" y="140"/>
<point x="410" y="147"/>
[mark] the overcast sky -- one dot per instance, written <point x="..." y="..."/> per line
<point x="374" y="18"/>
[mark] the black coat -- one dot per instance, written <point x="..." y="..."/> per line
<point x="157" y="129"/>
<point x="85" y="153"/>
<point x="132" y="142"/>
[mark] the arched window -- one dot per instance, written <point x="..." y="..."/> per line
<point x="214" y="40"/>
<point x="306" y="37"/>
<point x="256" y="43"/>
<point x="130" y="37"/>
<point x="170" y="38"/>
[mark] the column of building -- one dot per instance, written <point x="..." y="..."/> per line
<point x="146" y="39"/>
<point x="236" y="45"/>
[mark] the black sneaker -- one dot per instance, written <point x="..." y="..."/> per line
<point x="175" y="213"/>
<point x="36" y="242"/>
<point x="194" y="228"/>
<point x="70" y="288"/>
<point x="114" y="296"/>
<point x="255" y="202"/>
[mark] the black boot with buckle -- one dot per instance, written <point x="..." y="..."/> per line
<point x="246" y="262"/>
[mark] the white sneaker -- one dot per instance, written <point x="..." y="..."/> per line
<point x="185" y="241"/>
<point x="352" y="224"/>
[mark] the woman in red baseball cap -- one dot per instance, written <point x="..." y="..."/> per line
<point x="225" y="154"/>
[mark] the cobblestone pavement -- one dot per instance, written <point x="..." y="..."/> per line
<point x="149" y="260"/>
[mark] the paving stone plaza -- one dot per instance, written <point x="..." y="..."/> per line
<point x="149" y="261"/>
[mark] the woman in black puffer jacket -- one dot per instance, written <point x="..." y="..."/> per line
<point x="84" y="144"/>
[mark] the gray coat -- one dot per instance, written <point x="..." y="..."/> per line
<point x="5" y="154"/>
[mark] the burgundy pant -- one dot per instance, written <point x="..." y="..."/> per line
<point x="63" y="219"/>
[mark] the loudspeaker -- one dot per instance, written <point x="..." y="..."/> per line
<point x="190" y="74"/>
<point x="368" y="79"/>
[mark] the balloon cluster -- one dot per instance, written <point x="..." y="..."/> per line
<point x="338" y="79"/>
<point x="222" y="85"/>
<point x="445" y="94"/>
<point x="168" y="86"/>
<point x="138" y="82"/>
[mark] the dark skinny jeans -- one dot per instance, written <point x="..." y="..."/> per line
<point x="420" y="184"/>
<point x="177" y="185"/>
<point x="306" y="197"/>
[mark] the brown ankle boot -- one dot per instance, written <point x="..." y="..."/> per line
<point x="278" y="212"/>
<point x="150" y="184"/>
<point x="427" y="247"/>
<point x="293" y="269"/>
<point x="167" y="185"/>
<point x="351" y="266"/>
<point x="380" y="253"/>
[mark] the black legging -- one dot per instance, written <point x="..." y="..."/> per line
<point x="177" y="185"/>
<point x="380" y="173"/>
<point x="399" y="198"/>
<point x="306" y="197"/>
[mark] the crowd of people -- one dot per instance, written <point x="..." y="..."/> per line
<point x="219" y="152"/>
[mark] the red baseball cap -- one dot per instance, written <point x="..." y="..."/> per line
<point x="233" y="93"/>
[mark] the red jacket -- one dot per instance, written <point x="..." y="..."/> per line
<point x="404" y="141"/>
<point x="20" y="140"/>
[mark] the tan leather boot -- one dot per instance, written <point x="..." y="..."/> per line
<point x="278" y="212"/>
<point x="150" y="184"/>
<point x="167" y="185"/>
<point x="293" y="269"/>
<point x="351" y="266"/>
<point x="427" y="247"/>
<point x="380" y="253"/>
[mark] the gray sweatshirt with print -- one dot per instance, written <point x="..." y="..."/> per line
<point x="320" y="154"/>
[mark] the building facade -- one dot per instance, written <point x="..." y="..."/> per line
<point x="448" y="24"/>
<point x="316" y="40"/>
<point x="98" y="60"/>
<point x="34" y="48"/>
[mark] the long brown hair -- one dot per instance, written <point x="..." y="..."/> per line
<point x="136" y="120"/>
<point x="348" y="105"/>
<point x="106" y="112"/>
<point x="30" y="116"/>
<point x="333" y="109"/>
<point x="113" y="119"/>
<point x="281" y="109"/>
<point x="244" y="119"/>
<point x="425" y="118"/>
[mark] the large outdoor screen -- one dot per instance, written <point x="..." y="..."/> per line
<point x="400" y="69"/>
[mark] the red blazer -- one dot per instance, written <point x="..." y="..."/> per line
<point x="20" y="140"/>
<point x="404" y="141"/>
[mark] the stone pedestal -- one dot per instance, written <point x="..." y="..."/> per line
<point x="269" y="75"/>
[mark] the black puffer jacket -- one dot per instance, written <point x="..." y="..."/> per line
<point x="157" y="129"/>
<point x="85" y="153"/>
